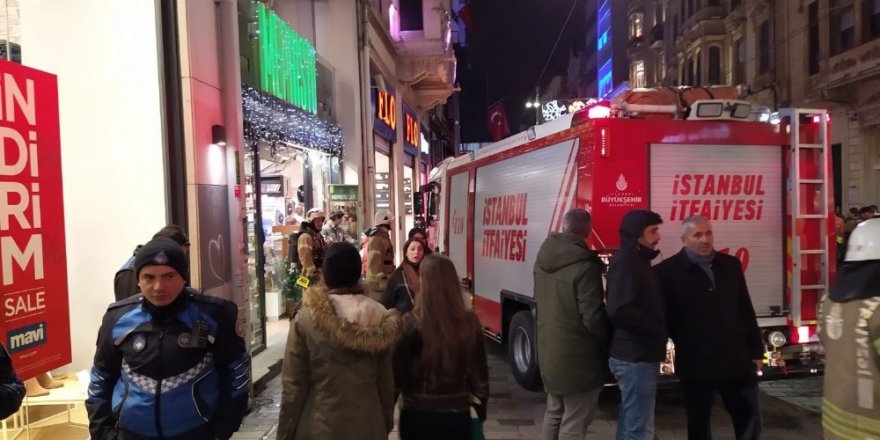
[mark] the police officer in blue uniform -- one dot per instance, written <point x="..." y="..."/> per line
<point x="169" y="363"/>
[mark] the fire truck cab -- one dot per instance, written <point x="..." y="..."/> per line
<point x="765" y="185"/>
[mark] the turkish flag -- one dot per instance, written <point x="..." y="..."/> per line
<point x="465" y="15"/>
<point x="498" y="128"/>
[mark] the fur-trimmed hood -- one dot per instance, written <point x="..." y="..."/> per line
<point x="352" y="320"/>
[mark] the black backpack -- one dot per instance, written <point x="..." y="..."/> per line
<point x="292" y="251"/>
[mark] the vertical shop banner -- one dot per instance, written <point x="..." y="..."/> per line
<point x="33" y="259"/>
<point x="407" y="195"/>
<point x="383" y="191"/>
<point x="346" y="198"/>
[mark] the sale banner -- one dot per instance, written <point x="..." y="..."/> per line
<point x="33" y="261"/>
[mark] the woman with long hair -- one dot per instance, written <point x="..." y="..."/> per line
<point x="404" y="284"/>
<point x="440" y="362"/>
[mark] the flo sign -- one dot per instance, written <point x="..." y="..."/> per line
<point x="33" y="261"/>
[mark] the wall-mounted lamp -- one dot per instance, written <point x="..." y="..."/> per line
<point x="218" y="135"/>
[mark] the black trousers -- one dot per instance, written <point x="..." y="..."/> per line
<point x="415" y="425"/>
<point x="740" y="399"/>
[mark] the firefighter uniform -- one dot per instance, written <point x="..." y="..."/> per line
<point x="850" y="332"/>
<point x="380" y="256"/>
<point x="310" y="247"/>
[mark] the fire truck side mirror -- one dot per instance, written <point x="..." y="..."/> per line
<point x="418" y="203"/>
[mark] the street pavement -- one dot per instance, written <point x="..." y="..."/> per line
<point x="790" y="409"/>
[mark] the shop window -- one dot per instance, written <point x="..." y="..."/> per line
<point x="713" y="3"/>
<point x="638" y="74"/>
<point x="635" y="25"/>
<point x="675" y="28"/>
<point x="842" y="26"/>
<point x="764" y="48"/>
<point x="383" y="174"/>
<point x="714" y="65"/>
<point x="409" y="184"/>
<point x="689" y="72"/>
<point x="411" y="15"/>
<point x="813" y="56"/>
<point x="739" y="67"/>
<point x="692" y="8"/>
<point x="660" y="72"/>
<point x="734" y="4"/>
<point x="682" y="74"/>
<point x="698" y="70"/>
<point x="871" y="19"/>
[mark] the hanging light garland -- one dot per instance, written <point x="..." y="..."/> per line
<point x="270" y="119"/>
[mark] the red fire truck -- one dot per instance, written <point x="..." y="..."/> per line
<point x="764" y="185"/>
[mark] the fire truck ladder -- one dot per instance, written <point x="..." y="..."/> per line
<point x="807" y="223"/>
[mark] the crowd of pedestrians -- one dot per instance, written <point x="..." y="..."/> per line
<point x="170" y="365"/>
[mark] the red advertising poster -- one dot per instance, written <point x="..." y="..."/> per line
<point x="33" y="262"/>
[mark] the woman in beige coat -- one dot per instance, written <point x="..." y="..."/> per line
<point x="337" y="377"/>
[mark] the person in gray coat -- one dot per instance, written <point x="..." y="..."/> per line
<point x="573" y="328"/>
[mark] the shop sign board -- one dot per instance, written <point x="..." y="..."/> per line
<point x="384" y="104"/>
<point x="288" y="66"/>
<point x="346" y="198"/>
<point x="33" y="259"/>
<point x="411" y="128"/>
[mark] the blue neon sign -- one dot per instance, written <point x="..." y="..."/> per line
<point x="604" y="52"/>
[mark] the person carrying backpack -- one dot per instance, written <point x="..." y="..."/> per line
<point x="306" y="250"/>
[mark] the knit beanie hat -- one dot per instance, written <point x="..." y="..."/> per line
<point x="161" y="251"/>
<point x="342" y="265"/>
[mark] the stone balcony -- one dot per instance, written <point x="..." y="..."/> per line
<point x="859" y="63"/>
<point x="428" y="66"/>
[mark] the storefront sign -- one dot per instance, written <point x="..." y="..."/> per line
<point x="411" y="128"/>
<point x="384" y="102"/>
<point x="386" y="109"/>
<point x="287" y="62"/>
<point x="346" y="198"/>
<point x="272" y="186"/>
<point x="33" y="260"/>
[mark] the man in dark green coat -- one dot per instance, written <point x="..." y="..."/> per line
<point x="573" y="328"/>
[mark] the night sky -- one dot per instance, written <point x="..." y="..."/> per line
<point x="507" y="46"/>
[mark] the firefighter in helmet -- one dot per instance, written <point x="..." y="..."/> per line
<point x="310" y="245"/>
<point x="380" y="255"/>
<point x="850" y="331"/>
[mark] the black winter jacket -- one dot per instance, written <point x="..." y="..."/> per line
<point x="711" y="325"/>
<point x="634" y="302"/>
<point x="398" y="294"/>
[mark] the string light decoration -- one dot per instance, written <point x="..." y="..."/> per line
<point x="270" y="119"/>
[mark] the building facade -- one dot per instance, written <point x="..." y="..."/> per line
<point x="777" y="53"/>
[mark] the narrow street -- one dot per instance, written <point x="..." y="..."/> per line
<point x="791" y="410"/>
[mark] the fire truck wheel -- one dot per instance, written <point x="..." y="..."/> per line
<point x="521" y="351"/>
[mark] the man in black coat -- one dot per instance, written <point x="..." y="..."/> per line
<point x="718" y="346"/>
<point x="635" y="308"/>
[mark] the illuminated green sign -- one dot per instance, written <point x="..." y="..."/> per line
<point x="287" y="62"/>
